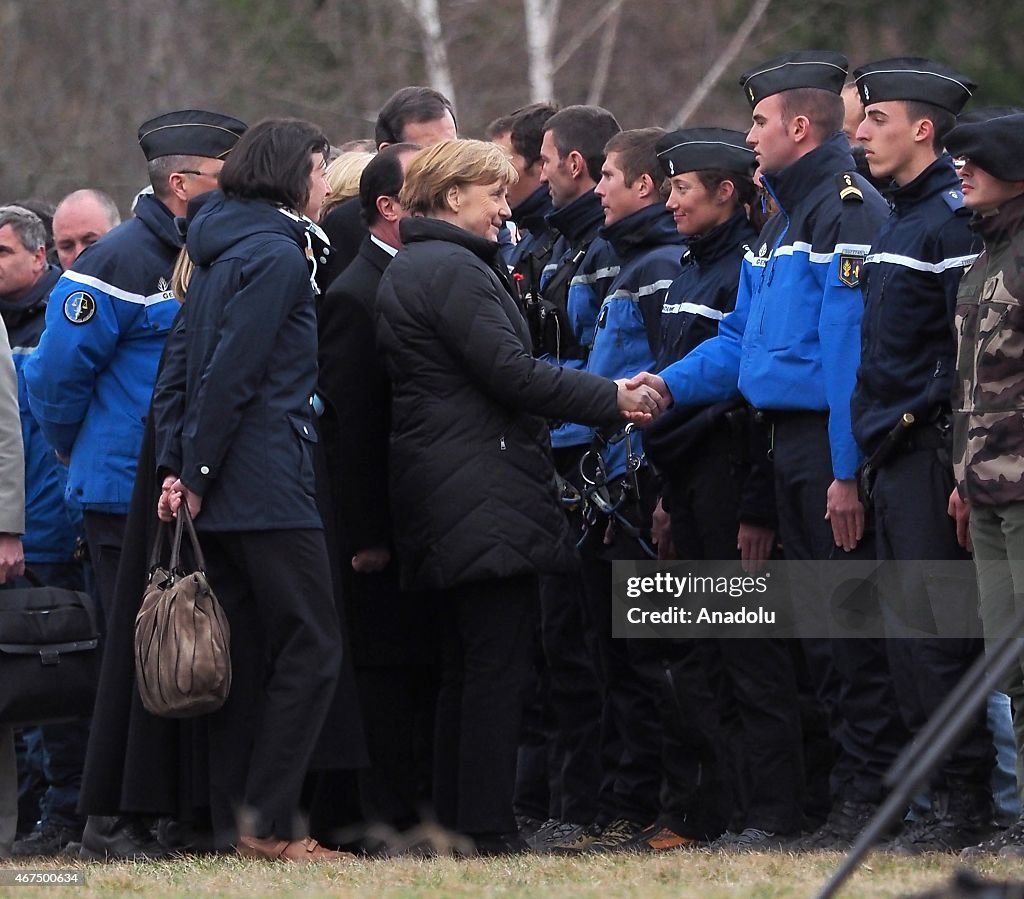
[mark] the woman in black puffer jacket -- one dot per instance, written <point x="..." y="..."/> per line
<point x="472" y="481"/>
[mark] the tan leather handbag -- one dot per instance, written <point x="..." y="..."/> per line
<point x="182" y="636"/>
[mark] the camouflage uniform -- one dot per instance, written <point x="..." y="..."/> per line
<point x="988" y="430"/>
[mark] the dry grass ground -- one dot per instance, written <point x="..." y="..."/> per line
<point x="680" y="876"/>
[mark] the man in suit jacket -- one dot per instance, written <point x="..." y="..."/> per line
<point x="386" y="626"/>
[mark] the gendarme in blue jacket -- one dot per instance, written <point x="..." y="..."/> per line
<point x="90" y="380"/>
<point x="908" y="348"/>
<point x="49" y="532"/>
<point x="793" y="340"/>
<point x="250" y="340"/>
<point x="580" y="224"/>
<point x="626" y="336"/>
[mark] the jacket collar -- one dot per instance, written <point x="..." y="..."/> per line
<point x="417" y="229"/>
<point x="579" y="219"/>
<point x="16" y="310"/>
<point x="1005" y="224"/>
<point x="651" y="226"/>
<point x="531" y="213"/>
<point x="939" y="177"/>
<point x="790" y="185"/>
<point x="159" y="219"/>
<point x="720" y="240"/>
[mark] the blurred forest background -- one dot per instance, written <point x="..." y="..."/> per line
<point x="81" y="75"/>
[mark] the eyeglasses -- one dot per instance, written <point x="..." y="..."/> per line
<point x="213" y="175"/>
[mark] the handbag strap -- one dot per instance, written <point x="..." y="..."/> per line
<point x="185" y="523"/>
<point x="158" y="544"/>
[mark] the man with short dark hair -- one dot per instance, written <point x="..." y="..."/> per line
<point x="81" y="219"/>
<point x="560" y="788"/>
<point x="91" y="379"/>
<point x="907" y="360"/>
<point x="791" y="347"/>
<point x="414" y="115"/>
<point x="387" y="632"/>
<point x="26" y="280"/>
<point x="520" y="134"/>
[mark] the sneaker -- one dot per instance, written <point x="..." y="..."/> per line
<point x="617" y="836"/>
<point x="750" y="839"/>
<point x="660" y="839"/>
<point x="575" y="841"/>
<point x="846" y="820"/>
<point x="554" y="833"/>
<point x="1008" y="843"/>
<point x="936" y="835"/>
<point x="124" y="837"/>
<point x="44" y="842"/>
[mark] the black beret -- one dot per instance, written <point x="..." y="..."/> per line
<point x="913" y="78"/>
<point x="693" y="149"/>
<point x="996" y="145"/>
<point x="190" y="132"/>
<point x="984" y="113"/>
<point x="823" y="69"/>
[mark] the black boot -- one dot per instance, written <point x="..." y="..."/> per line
<point x="961" y="816"/>
<point x="119" y="837"/>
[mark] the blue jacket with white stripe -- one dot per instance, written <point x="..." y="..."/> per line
<point x="705" y="291"/>
<point x="49" y="524"/>
<point x="793" y="340"/>
<point x="626" y="336"/>
<point x="90" y="380"/>
<point x="578" y="223"/>
<point x="908" y="348"/>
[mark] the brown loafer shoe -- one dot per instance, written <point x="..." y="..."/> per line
<point x="274" y="850"/>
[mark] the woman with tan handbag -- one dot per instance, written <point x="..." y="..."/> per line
<point x="240" y="453"/>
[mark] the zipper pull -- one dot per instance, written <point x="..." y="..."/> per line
<point x="502" y="442"/>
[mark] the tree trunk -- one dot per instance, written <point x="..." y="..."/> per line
<point x="541" y="21"/>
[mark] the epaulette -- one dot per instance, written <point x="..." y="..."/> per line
<point x="848" y="190"/>
<point x="954" y="199"/>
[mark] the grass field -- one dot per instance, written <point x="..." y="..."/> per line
<point x="679" y="875"/>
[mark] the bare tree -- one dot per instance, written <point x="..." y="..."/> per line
<point x="439" y="73"/>
<point x="722" y="62"/>
<point x="541" y="22"/>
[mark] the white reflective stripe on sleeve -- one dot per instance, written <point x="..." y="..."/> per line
<point x="693" y="308"/>
<point x="848" y="249"/>
<point x="591" y="277"/>
<point x="919" y="265"/>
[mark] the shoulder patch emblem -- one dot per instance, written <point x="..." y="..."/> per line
<point x="163" y="285"/>
<point x="79" y="307"/>
<point x="848" y="190"/>
<point x="849" y="269"/>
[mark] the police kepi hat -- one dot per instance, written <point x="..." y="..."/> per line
<point x="823" y="69"/>
<point x="694" y="149"/>
<point x="995" y="145"/>
<point x="190" y="132"/>
<point x="913" y="78"/>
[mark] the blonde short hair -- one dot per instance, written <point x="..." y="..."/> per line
<point x="434" y="171"/>
<point x="343" y="174"/>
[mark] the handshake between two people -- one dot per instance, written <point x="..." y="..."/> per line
<point x="643" y="398"/>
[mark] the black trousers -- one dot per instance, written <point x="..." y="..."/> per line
<point x="275" y="587"/>
<point x="910" y="498"/>
<point x="487" y="630"/>
<point x="559" y="772"/>
<point x="104" y="533"/>
<point x="852" y="675"/>
<point x="741" y="694"/>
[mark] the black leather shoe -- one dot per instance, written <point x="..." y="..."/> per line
<point x="492" y="844"/>
<point x="120" y="837"/>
